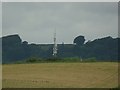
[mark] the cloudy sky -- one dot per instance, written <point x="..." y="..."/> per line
<point x="35" y="22"/>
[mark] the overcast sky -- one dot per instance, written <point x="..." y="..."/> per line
<point x="35" y="22"/>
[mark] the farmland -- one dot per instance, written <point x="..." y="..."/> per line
<point x="60" y="75"/>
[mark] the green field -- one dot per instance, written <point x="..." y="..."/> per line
<point x="61" y="75"/>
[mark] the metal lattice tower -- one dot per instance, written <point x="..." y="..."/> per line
<point x="55" y="45"/>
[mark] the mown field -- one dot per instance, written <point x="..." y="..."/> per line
<point x="61" y="75"/>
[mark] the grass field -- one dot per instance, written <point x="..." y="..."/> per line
<point x="0" y="76"/>
<point x="61" y="75"/>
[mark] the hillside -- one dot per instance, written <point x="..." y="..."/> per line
<point x="14" y="49"/>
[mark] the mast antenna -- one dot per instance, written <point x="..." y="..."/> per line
<point x="55" y="45"/>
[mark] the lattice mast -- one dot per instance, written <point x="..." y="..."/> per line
<point x="55" y="46"/>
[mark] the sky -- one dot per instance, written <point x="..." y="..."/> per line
<point x="36" y="22"/>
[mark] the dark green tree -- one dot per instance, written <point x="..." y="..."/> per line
<point x="79" y="40"/>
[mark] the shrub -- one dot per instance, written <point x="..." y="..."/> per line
<point x="93" y="59"/>
<point x="33" y="59"/>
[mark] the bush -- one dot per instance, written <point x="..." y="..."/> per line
<point x="53" y="59"/>
<point x="93" y="59"/>
<point x="71" y="59"/>
<point x="56" y="59"/>
<point x="33" y="60"/>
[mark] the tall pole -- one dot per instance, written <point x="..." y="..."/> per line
<point x="55" y="46"/>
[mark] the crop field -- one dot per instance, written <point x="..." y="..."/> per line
<point x="61" y="75"/>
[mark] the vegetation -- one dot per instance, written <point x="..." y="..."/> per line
<point x="79" y="40"/>
<point x="105" y="49"/>
<point x="61" y="75"/>
<point x="50" y="60"/>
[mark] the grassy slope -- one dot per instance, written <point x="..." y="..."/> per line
<point x="51" y="75"/>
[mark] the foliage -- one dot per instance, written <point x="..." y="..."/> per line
<point x="105" y="49"/>
<point x="71" y="59"/>
<point x="53" y="59"/>
<point x="79" y="40"/>
<point x="93" y="59"/>
<point x="33" y="60"/>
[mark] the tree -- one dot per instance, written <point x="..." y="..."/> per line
<point x="79" y="40"/>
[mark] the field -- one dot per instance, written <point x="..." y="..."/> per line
<point x="0" y="76"/>
<point x="61" y="75"/>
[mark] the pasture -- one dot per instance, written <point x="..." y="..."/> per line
<point x="60" y="75"/>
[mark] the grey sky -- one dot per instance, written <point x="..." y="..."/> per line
<point x="35" y="22"/>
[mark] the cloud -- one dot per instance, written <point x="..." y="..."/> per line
<point x="35" y="22"/>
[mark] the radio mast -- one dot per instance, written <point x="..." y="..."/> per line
<point x="55" y="45"/>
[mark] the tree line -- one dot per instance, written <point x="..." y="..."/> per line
<point x="103" y="49"/>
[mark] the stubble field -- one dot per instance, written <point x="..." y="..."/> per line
<point x="60" y="75"/>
